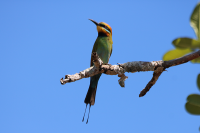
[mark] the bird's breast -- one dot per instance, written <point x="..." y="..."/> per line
<point x="104" y="47"/>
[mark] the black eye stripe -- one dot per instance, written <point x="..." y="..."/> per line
<point x="104" y="27"/>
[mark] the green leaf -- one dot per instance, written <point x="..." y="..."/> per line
<point x="194" y="98"/>
<point x="193" y="104"/>
<point x="186" y="43"/>
<point x="175" y="53"/>
<point x="192" y="109"/>
<point x="198" y="81"/>
<point x="194" y="20"/>
<point x="197" y="60"/>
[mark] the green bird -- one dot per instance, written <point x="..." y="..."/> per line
<point x="103" y="47"/>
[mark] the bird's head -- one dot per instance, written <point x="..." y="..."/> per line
<point x="103" y="28"/>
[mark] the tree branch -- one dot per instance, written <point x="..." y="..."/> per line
<point x="136" y="66"/>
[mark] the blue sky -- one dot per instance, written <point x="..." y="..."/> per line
<point x="41" y="41"/>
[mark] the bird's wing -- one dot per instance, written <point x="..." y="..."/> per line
<point x="93" y="50"/>
<point x="111" y="51"/>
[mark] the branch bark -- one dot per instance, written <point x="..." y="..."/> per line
<point x="136" y="66"/>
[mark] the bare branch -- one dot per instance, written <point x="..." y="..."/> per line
<point x="136" y="66"/>
<point x="122" y="80"/>
<point x="150" y="84"/>
<point x="181" y="60"/>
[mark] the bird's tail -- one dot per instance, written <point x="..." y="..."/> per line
<point x="90" y="97"/>
<point x="91" y="94"/>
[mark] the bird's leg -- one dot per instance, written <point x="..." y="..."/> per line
<point x="88" y="114"/>
<point x="84" y="113"/>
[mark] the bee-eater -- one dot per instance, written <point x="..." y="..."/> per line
<point x="103" y="47"/>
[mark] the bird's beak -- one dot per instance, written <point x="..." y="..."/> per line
<point x="94" y="22"/>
